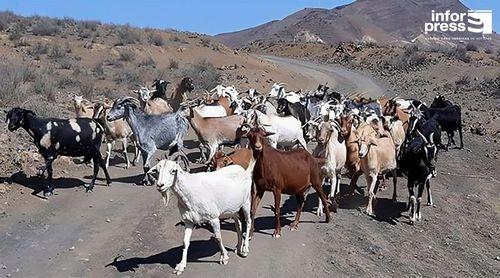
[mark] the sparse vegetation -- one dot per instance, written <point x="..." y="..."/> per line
<point x="204" y="73"/>
<point x="45" y="27"/>
<point x="155" y="39"/>
<point x="128" y="76"/>
<point x="127" y="55"/>
<point x="44" y="84"/>
<point x="463" y="80"/>
<point x="173" y="64"/>
<point x="16" y="32"/>
<point x="12" y="80"/>
<point x="147" y="62"/>
<point x="38" y="49"/>
<point x="87" y="87"/>
<point x="98" y="71"/>
<point x="471" y="47"/>
<point x="56" y="52"/>
<point x="127" y="35"/>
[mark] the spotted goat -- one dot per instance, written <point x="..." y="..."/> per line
<point x="56" y="137"/>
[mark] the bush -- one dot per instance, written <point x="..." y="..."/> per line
<point x="204" y="73"/>
<point x="45" y="27"/>
<point x="37" y="50"/>
<point x="155" y="39"/>
<point x="128" y="76"/>
<point x="86" y="87"/>
<point x="176" y="39"/>
<point x="21" y="42"/>
<point x="6" y="18"/>
<point x="56" y="52"/>
<point x="98" y="71"/>
<point x="126" y="55"/>
<point x="12" y="78"/>
<point x="44" y="84"/>
<point x="459" y="53"/>
<point x="65" y="63"/>
<point x="488" y="51"/>
<point x="127" y="35"/>
<point x="173" y="64"/>
<point x="148" y="62"/>
<point x="16" y="32"/>
<point x="463" y="80"/>
<point x="471" y="47"/>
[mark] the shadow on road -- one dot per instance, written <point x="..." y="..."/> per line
<point x="198" y="249"/>
<point x="37" y="183"/>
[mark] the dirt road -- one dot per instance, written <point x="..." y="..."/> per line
<point x="342" y="80"/>
<point x="125" y="230"/>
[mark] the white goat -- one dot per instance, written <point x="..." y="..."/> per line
<point x="334" y="153"/>
<point x="287" y="130"/>
<point x="206" y="197"/>
<point x="277" y="90"/>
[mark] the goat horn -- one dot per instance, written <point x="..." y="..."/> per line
<point x="431" y="138"/>
<point x="423" y="137"/>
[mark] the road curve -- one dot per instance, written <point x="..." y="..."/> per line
<point x="341" y="79"/>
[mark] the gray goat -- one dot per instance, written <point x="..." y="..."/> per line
<point x="164" y="132"/>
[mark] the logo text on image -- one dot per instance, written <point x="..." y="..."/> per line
<point x="474" y="21"/>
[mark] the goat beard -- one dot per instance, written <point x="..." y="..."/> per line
<point x="166" y="196"/>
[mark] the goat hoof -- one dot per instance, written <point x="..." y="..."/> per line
<point x="179" y="268"/>
<point x="276" y="235"/>
<point x="224" y="259"/>
<point x="48" y="194"/>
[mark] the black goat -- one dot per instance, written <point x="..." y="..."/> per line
<point x="426" y="127"/>
<point x="450" y="120"/>
<point x="54" y="137"/>
<point x="441" y="102"/>
<point x="418" y="162"/>
<point x="295" y="109"/>
<point x="160" y="91"/>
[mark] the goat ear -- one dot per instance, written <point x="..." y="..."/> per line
<point x="268" y="133"/>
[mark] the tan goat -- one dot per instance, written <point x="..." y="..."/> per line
<point x="83" y="107"/>
<point x="377" y="157"/>
<point x="117" y="130"/>
<point x="156" y="106"/>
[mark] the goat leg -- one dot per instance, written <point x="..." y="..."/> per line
<point x="256" y="198"/>
<point x="49" y="189"/>
<point x="300" y="205"/>
<point x="277" y="205"/>
<point x="96" y="171"/>
<point x="179" y="268"/>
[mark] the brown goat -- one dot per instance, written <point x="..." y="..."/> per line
<point x="288" y="172"/>
<point x="179" y="94"/>
<point x="392" y="108"/>
<point x="239" y="157"/>
<point x="215" y="132"/>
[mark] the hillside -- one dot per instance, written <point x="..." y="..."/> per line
<point x="381" y="21"/>
<point x="45" y="60"/>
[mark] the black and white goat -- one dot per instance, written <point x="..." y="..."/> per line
<point x="55" y="137"/>
<point x="418" y="162"/>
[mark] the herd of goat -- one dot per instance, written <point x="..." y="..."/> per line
<point x="379" y="139"/>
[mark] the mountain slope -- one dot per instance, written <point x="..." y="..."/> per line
<point x="383" y="21"/>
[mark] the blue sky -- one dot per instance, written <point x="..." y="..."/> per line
<point x="204" y="16"/>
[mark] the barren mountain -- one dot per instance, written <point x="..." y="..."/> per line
<point x="381" y="21"/>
